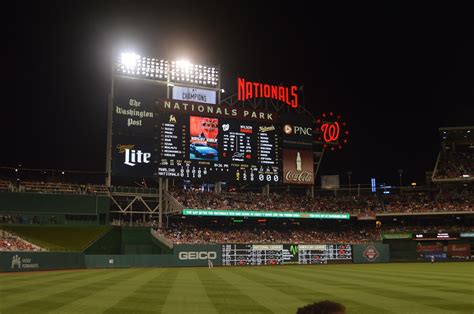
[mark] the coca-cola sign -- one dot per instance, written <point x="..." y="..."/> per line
<point x="299" y="176"/>
<point x="298" y="166"/>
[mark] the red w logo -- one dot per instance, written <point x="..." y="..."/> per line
<point x="330" y="131"/>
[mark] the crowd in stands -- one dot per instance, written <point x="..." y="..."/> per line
<point x="179" y="233"/>
<point x="11" y="242"/>
<point x="20" y="219"/>
<point x="408" y="202"/>
<point x="52" y="187"/>
<point x="455" y="165"/>
<point x="182" y="232"/>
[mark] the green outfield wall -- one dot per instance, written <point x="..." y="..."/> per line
<point x="370" y="253"/>
<point x="34" y="261"/>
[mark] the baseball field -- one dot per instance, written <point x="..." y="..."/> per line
<point x="378" y="288"/>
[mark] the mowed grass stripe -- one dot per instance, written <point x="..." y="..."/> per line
<point x="389" y="287"/>
<point x="25" y="285"/>
<point x="103" y="299"/>
<point x="305" y="295"/>
<point x="46" y="298"/>
<point x="226" y="297"/>
<point x="36" y="288"/>
<point x="417" y="281"/>
<point x="187" y="293"/>
<point x="357" y="301"/>
<point x="434" y="270"/>
<point x="427" y="279"/>
<point x="150" y="296"/>
<point x="360" y="292"/>
<point x="267" y="295"/>
<point x="57" y="300"/>
<point x="452" y="269"/>
<point x="16" y="277"/>
<point x="416" y="287"/>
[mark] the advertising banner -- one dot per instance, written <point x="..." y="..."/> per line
<point x="297" y="131"/>
<point x="298" y="167"/>
<point x="398" y="235"/>
<point x="460" y="250"/>
<point x="330" y="182"/>
<point x="262" y="214"/>
<point x="194" y="94"/>
<point x="134" y="156"/>
<point x="366" y="216"/>
<point x="133" y="106"/>
<point x="32" y="261"/>
<point x="436" y="236"/>
<point x="197" y="255"/>
<point x="371" y="253"/>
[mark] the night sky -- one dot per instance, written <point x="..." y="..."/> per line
<point x="396" y="73"/>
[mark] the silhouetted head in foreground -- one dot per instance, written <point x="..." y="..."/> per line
<point x="323" y="307"/>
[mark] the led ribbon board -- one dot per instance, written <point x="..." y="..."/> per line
<point x="257" y="214"/>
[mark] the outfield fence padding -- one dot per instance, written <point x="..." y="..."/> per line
<point x="32" y="261"/>
<point x="371" y="253"/>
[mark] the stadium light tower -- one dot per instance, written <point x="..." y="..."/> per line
<point x="349" y="173"/>
<point x="129" y="59"/>
<point x="400" y="172"/>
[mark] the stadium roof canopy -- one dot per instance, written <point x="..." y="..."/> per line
<point x="458" y="135"/>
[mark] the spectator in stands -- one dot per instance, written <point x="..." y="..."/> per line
<point x="323" y="307"/>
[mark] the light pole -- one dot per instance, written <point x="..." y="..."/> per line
<point x="349" y="173"/>
<point x="400" y="172"/>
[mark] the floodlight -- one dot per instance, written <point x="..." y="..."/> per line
<point x="129" y="60"/>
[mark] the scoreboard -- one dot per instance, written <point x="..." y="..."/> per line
<point x="194" y="145"/>
<point x="277" y="254"/>
<point x="153" y="136"/>
<point x="322" y="253"/>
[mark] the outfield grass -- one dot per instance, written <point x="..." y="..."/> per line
<point x="382" y="288"/>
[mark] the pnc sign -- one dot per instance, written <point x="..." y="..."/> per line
<point x="248" y="90"/>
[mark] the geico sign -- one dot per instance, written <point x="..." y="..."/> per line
<point x="197" y="255"/>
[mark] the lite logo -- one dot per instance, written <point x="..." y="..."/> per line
<point x="133" y="157"/>
<point x="197" y="255"/>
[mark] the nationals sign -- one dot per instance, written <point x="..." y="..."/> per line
<point x="248" y="90"/>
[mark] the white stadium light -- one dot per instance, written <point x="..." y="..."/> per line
<point x="163" y="70"/>
<point x="129" y="60"/>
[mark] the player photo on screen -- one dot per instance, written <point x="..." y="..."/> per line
<point x="203" y="133"/>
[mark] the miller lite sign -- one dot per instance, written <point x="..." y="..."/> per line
<point x="133" y="157"/>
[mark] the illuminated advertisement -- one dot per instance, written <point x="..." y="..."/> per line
<point x="194" y="94"/>
<point x="298" y="166"/>
<point x="203" y="133"/>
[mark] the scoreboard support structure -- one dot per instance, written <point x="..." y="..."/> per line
<point x="145" y="72"/>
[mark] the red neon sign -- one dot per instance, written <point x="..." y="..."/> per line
<point x="332" y="131"/>
<point x="248" y="90"/>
